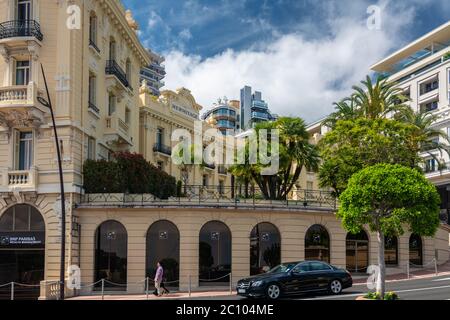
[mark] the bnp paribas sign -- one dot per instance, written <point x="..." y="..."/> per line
<point x="18" y="240"/>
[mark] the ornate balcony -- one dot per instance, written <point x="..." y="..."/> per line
<point x="19" y="106"/>
<point x="113" y="69"/>
<point x="14" y="180"/>
<point x="21" y="29"/>
<point x="117" y="131"/>
<point x="163" y="149"/>
<point x="19" y="34"/>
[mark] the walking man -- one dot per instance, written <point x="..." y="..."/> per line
<point x="158" y="278"/>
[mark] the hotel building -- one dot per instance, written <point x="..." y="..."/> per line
<point x="422" y="70"/>
<point x="206" y="237"/>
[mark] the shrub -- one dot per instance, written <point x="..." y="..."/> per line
<point x="127" y="173"/>
<point x="391" y="296"/>
<point x="101" y="176"/>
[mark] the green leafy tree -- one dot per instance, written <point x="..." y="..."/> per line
<point x="354" y="145"/>
<point x="389" y="198"/>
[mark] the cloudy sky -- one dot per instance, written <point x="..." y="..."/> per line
<point x="302" y="54"/>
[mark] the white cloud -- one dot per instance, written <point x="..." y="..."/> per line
<point x="298" y="76"/>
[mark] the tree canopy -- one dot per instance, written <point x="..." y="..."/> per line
<point x="386" y="198"/>
<point x="356" y="144"/>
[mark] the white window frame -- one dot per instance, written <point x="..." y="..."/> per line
<point x="29" y="158"/>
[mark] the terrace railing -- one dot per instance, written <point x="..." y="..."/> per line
<point x="218" y="197"/>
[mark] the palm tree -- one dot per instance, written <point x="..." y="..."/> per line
<point x="429" y="137"/>
<point x="378" y="100"/>
<point x="295" y="154"/>
<point x="344" y="110"/>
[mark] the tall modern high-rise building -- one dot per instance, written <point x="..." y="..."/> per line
<point x="224" y="115"/>
<point x="253" y="108"/>
<point x="154" y="73"/>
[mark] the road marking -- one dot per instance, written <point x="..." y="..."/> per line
<point x="360" y="294"/>
<point x="446" y="279"/>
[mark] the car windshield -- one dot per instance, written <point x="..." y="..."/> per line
<point x="283" y="268"/>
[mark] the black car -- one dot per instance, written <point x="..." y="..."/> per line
<point x="295" y="278"/>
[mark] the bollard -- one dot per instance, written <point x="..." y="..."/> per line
<point x="189" y="285"/>
<point x="103" y="289"/>
<point x="407" y="269"/>
<point x="146" y="285"/>
<point x="12" y="291"/>
<point x="435" y="266"/>
<point x="231" y="284"/>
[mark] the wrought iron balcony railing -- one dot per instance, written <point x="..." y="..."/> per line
<point x="219" y="197"/>
<point x="113" y="68"/>
<point x="209" y="166"/>
<point x="93" y="107"/>
<point x="20" y="28"/>
<point x="94" y="45"/>
<point x="159" y="147"/>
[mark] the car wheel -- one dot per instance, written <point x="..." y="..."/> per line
<point x="335" y="287"/>
<point x="273" y="291"/>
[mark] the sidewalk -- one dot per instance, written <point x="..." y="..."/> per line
<point x="171" y="296"/>
<point x="443" y="270"/>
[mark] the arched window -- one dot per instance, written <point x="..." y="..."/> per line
<point x="357" y="251"/>
<point x="22" y="249"/>
<point x="163" y="245"/>
<point x="265" y="248"/>
<point x="391" y="251"/>
<point x="111" y="245"/>
<point x="415" y="250"/>
<point x="317" y="244"/>
<point x="214" y="254"/>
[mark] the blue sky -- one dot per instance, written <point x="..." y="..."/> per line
<point x="214" y="47"/>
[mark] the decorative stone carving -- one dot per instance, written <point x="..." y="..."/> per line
<point x="4" y="53"/>
<point x="20" y="119"/>
<point x="18" y="195"/>
<point x="33" y="49"/>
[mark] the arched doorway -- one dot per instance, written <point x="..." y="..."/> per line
<point x="357" y="252"/>
<point x="111" y="245"/>
<point x="415" y="250"/>
<point x="391" y="251"/>
<point x="214" y="254"/>
<point x="163" y="245"/>
<point x="22" y="251"/>
<point x="317" y="244"/>
<point x="265" y="248"/>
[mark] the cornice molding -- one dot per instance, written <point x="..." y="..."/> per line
<point x="116" y="12"/>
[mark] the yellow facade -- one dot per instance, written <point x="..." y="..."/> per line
<point x="60" y="38"/>
<point x="174" y="110"/>
<point x="92" y="56"/>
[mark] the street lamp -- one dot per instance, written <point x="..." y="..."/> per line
<point x="48" y="104"/>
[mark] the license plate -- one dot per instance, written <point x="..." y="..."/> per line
<point x="241" y="290"/>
